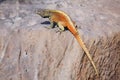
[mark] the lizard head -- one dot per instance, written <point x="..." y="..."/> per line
<point x="45" y="13"/>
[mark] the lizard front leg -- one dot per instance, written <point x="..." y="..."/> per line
<point x="52" y="25"/>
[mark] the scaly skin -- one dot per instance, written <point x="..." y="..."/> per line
<point x="63" y="20"/>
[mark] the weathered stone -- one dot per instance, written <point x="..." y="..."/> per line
<point x="29" y="51"/>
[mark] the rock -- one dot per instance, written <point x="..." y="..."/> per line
<point x="29" y="51"/>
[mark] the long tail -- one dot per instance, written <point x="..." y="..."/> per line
<point x="77" y="36"/>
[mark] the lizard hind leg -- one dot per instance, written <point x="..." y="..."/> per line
<point x="61" y="27"/>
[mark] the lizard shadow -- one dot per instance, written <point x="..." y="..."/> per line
<point x="48" y="23"/>
<point x="54" y="25"/>
<point x="45" y="22"/>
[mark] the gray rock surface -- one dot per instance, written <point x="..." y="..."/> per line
<point x="29" y="51"/>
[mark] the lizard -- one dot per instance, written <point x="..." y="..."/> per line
<point x="63" y="21"/>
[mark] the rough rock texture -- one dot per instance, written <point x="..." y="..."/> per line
<point x="29" y="51"/>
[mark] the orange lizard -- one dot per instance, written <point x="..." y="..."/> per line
<point x="62" y="20"/>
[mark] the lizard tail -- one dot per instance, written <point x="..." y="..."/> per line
<point x="77" y="36"/>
